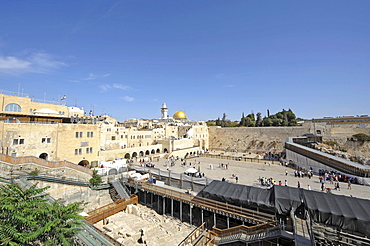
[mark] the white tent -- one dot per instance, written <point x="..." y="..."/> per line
<point x="191" y="170"/>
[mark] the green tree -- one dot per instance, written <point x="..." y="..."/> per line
<point x="95" y="179"/>
<point x="259" y="119"/>
<point x="61" y="223"/>
<point x="251" y="121"/>
<point x="292" y="119"/>
<point x="267" y="121"/>
<point x="218" y="122"/>
<point x="211" y="123"/>
<point x="242" y="120"/>
<point x="27" y="218"/>
<point x="19" y="211"/>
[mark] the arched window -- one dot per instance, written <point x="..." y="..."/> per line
<point x="13" y="107"/>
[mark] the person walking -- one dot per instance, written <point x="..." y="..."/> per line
<point x="337" y="186"/>
<point x="349" y="185"/>
<point x="236" y="179"/>
<point x="299" y="185"/>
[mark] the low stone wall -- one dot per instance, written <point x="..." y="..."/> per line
<point x="73" y="193"/>
<point x="6" y="169"/>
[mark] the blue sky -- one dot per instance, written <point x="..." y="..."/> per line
<point x="126" y="58"/>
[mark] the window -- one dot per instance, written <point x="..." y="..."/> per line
<point x="13" y="107"/>
<point x="80" y="151"/>
<point x="90" y="134"/>
<point x="80" y="134"/>
<point x="87" y="150"/>
<point x="21" y="141"/>
<point x="15" y="141"/>
<point x="113" y="137"/>
<point x="77" y="134"/>
<point x="76" y="151"/>
<point x="45" y="140"/>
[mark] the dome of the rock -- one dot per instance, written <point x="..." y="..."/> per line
<point x="179" y="115"/>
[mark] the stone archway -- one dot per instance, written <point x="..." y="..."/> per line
<point x="158" y="151"/>
<point x="141" y="153"/>
<point x="147" y="152"/>
<point x="165" y="150"/>
<point x="134" y="154"/>
<point x="44" y="156"/>
<point x="84" y="163"/>
<point x="112" y="171"/>
<point x="152" y="152"/>
<point x="127" y="156"/>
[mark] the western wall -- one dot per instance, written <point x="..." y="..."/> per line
<point x="272" y="139"/>
<point x="252" y="139"/>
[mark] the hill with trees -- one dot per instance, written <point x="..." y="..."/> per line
<point x="282" y="118"/>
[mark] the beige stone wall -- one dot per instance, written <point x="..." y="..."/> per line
<point x="32" y="136"/>
<point x="62" y="137"/>
<point x="27" y="105"/>
<point x="57" y="172"/>
<point x="252" y="139"/>
<point x="71" y="193"/>
<point x="68" y="142"/>
<point x="109" y="155"/>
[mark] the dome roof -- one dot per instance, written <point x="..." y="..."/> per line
<point x="179" y="115"/>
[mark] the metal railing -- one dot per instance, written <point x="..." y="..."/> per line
<point x="238" y="158"/>
<point x="247" y="234"/>
<point x="42" y="162"/>
<point x="199" y="236"/>
<point x="327" y="160"/>
<point x="110" y="209"/>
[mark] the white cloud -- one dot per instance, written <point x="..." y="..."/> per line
<point x="34" y="62"/>
<point x="11" y="62"/>
<point x="107" y="87"/>
<point x="128" y="99"/>
<point x="229" y="86"/>
<point x="91" y="77"/>
<point x="122" y="87"/>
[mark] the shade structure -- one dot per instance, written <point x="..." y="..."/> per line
<point x="191" y="170"/>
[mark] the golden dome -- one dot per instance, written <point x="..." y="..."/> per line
<point x="179" y="115"/>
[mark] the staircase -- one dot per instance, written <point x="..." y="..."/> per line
<point x="121" y="189"/>
<point x="251" y="237"/>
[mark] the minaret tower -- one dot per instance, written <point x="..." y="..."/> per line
<point x="164" y="111"/>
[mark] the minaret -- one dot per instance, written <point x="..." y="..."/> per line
<point x="164" y="111"/>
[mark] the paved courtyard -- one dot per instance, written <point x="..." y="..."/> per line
<point x="250" y="172"/>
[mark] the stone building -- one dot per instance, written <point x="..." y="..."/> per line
<point x="53" y="131"/>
